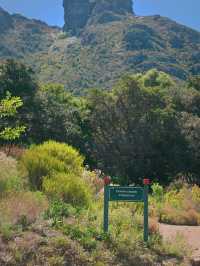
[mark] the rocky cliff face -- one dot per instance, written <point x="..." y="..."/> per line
<point x="121" y="7"/>
<point x="77" y="13"/>
<point x="80" y="12"/>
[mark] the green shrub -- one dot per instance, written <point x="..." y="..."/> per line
<point x="62" y="36"/>
<point x="59" y="210"/>
<point x="60" y="242"/>
<point x="172" y="215"/>
<point x="196" y="195"/>
<point x="157" y="192"/>
<point x="85" y="235"/>
<point x="49" y="158"/>
<point x="9" y="175"/>
<point x="179" y="205"/>
<point x="88" y="243"/>
<point x="6" y="231"/>
<point x="69" y="188"/>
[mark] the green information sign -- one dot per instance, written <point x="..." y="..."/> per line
<point x="127" y="194"/>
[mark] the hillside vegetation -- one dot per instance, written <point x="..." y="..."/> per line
<point x="112" y="95"/>
<point x="60" y="222"/>
<point x="148" y="123"/>
<point x="51" y="196"/>
<point x="103" y="50"/>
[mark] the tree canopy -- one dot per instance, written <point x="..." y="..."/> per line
<point x="148" y="125"/>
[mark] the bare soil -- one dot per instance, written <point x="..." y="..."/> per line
<point x="191" y="234"/>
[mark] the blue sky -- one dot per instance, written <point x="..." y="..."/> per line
<point x="186" y="12"/>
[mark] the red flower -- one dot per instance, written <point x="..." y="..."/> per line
<point x="146" y="181"/>
<point x="107" y="180"/>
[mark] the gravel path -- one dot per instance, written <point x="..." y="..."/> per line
<point x="190" y="233"/>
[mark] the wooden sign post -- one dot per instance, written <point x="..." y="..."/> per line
<point x="126" y="194"/>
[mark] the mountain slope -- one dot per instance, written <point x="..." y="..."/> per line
<point x="105" y="45"/>
<point x="20" y="36"/>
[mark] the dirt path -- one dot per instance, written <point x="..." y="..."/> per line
<point x="190" y="233"/>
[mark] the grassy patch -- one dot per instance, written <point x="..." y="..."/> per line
<point x="179" y="206"/>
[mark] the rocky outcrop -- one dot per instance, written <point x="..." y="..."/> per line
<point x="121" y="7"/>
<point x="105" y="11"/>
<point x="79" y="12"/>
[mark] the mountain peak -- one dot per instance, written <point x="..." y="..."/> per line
<point x="79" y="12"/>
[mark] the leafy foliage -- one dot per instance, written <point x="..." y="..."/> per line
<point x="51" y="158"/>
<point x="148" y="122"/>
<point x="58" y="111"/>
<point x="9" y="108"/>
<point x="69" y="188"/>
<point x="57" y="211"/>
<point x="147" y="125"/>
<point x="19" y="80"/>
<point x="136" y="125"/>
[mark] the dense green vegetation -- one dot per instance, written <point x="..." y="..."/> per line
<point x="68" y="117"/>
<point x="8" y="108"/>
<point x="62" y="221"/>
<point x="147" y="122"/>
<point x="146" y="126"/>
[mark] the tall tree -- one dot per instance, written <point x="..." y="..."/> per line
<point x="20" y="81"/>
<point x="59" y="115"/>
<point x="188" y="102"/>
<point x="135" y="131"/>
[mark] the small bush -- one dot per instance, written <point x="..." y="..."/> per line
<point x="69" y="188"/>
<point x="71" y="251"/>
<point x="49" y="158"/>
<point x="179" y="205"/>
<point x="9" y="175"/>
<point x="88" y="243"/>
<point x="6" y="231"/>
<point x="171" y="215"/>
<point x="196" y="195"/>
<point x="60" y="242"/>
<point x="94" y="181"/>
<point x="62" y="36"/>
<point x="86" y="236"/>
<point x="157" y="192"/>
<point x="59" y="210"/>
<point x="22" y="208"/>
